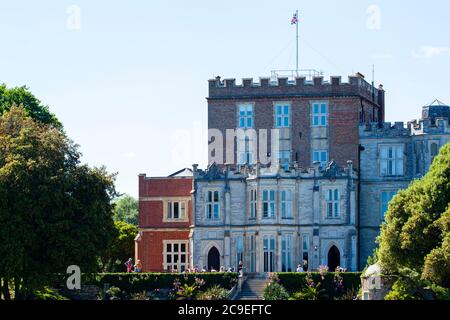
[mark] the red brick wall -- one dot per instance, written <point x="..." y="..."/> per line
<point x="343" y="124"/>
<point x="150" y="248"/>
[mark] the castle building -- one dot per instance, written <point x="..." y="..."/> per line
<point x="393" y="155"/>
<point x="317" y="198"/>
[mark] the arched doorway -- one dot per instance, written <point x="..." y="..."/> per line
<point x="334" y="258"/>
<point x="213" y="259"/>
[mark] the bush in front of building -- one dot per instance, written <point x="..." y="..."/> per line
<point x="334" y="285"/>
<point x="214" y="293"/>
<point x="131" y="283"/>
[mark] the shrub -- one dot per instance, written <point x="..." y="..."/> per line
<point x="114" y="293"/>
<point x="311" y="290"/>
<point x="294" y="282"/>
<point x="214" y="293"/>
<point x="275" y="291"/>
<point x="139" y="282"/>
<point x="48" y="294"/>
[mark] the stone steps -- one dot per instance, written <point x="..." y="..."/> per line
<point x="252" y="289"/>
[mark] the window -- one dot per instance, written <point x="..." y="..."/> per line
<point x="239" y="250"/>
<point x="176" y="210"/>
<point x="253" y="204"/>
<point x="245" y="116"/>
<point x="333" y="203"/>
<point x="284" y="157"/>
<point x="286" y="253"/>
<point x="245" y="150"/>
<point x="434" y="150"/>
<point x="386" y="197"/>
<point x="321" y="156"/>
<point x="269" y="253"/>
<point x="212" y="205"/>
<point x="252" y="253"/>
<point x="286" y="204"/>
<point x="391" y="160"/>
<point x="320" y="114"/>
<point x="268" y="204"/>
<point x="282" y="116"/>
<point x="305" y="247"/>
<point x="175" y="255"/>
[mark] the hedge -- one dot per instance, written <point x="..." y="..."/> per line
<point x="138" y="282"/>
<point x="295" y="281"/>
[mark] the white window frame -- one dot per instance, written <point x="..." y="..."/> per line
<point x="282" y="119"/>
<point x="333" y="202"/>
<point x="395" y="163"/>
<point x="245" y="112"/>
<point x="319" y="114"/>
<point x="245" y="155"/>
<point x="210" y="206"/>
<point x="167" y="217"/>
<point x="239" y="250"/>
<point x="271" y="203"/>
<point x="252" y="253"/>
<point x="286" y="203"/>
<point x="175" y="255"/>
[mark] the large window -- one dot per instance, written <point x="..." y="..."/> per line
<point x="176" y="210"/>
<point x="245" y="116"/>
<point x="320" y="114"/>
<point x="333" y="203"/>
<point x="252" y="253"/>
<point x="305" y="250"/>
<point x="286" y="253"/>
<point x="269" y="253"/>
<point x="239" y="250"/>
<point x="321" y="156"/>
<point x="286" y="204"/>
<point x="268" y="204"/>
<point x="245" y="149"/>
<point x="434" y="150"/>
<point x="175" y="255"/>
<point x="282" y="115"/>
<point x="253" y="204"/>
<point x="386" y="197"/>
<point x="391" y="160"/>
<point x="212" y="205"/>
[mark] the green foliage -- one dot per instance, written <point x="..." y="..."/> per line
<point x="403" y="289"/>
<point x="296" y="282"/>
<point x="21" y="96"/>
<point x="54" y="212"/>
<point x="139" y="282"/>
<point x="187" y="291"/>
<point x="114" y="293"/>
<point x="126" y="209"/>
<point x="48" y="294"/>
<point x="416" y="232"/>
<point x="275" y="291"/>
<point x="216" y="292"/>
<point x="121" y="248"/>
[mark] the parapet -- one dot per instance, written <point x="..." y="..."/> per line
<point x="384" y="130"/>
<point x="428" y="126"/>
<point x="299" y="86"/>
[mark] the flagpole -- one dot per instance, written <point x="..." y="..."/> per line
<point x="296" y="13"/>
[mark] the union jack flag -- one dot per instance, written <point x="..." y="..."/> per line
<point x="294" y="19"/>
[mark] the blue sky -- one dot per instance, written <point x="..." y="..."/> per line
<point x="129" y="81"/>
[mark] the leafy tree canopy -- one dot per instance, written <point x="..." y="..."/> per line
<point x="21" y="96"/>
<point x="54" y="212"/>
<point x="121" y="248"/>
<point x="126" y="209"/>
<point x="416" y="234"/>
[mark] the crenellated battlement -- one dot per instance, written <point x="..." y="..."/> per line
<point x="427" y="126"/>
<point x="298" y="86"/>
<point x="385" y="129"/>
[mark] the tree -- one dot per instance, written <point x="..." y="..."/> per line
<point x="121" y="248"/>
<point x="54" y="212"/>
<point x="126" y="209"/>
<point x="416" y="233"/>
<point x="21" y="96"/>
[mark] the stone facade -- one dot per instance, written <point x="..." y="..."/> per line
<point x="301" y="229"/>
<point x="418" y="141"/>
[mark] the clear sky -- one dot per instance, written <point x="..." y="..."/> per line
<point x="129" y="79"/>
